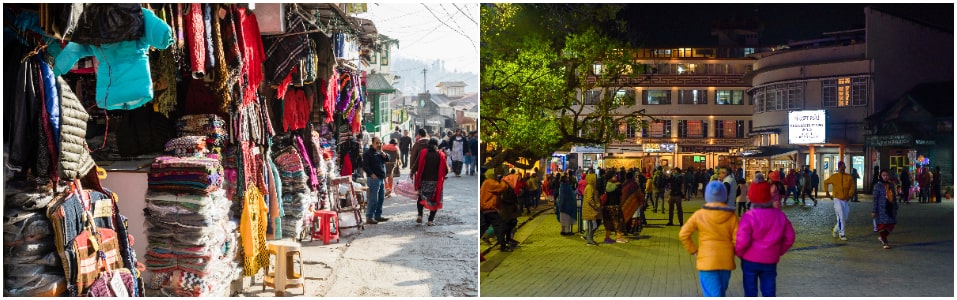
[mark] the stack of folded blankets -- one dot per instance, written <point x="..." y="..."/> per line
<point x="192" y="241"/>
<point x="190" y="145"/>
<point x="31" y="265"/>
<point x="296" y="195"/>
<point x="210" y="126"/>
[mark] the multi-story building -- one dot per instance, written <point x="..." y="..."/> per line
<point x="849" y="75"/>
<point x="698" y="98"/>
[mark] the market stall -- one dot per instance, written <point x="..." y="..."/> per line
<point x="239" y="133"/>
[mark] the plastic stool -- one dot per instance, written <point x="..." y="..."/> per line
<point x="325" y="226"/>
<point x="284" y="275"/>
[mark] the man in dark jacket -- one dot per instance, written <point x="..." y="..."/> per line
<point x="421" y="142"/>
<point x="405" y="142"/>
<point x="373" y="163"/>
<point x="471" y="158"/>
<point x="675" y="183"/>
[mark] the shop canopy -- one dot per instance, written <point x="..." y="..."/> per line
<point x="766" y="152"/>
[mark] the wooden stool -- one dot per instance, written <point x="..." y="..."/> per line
<point x="325" y="226"/>
<point x="284" y="275"/>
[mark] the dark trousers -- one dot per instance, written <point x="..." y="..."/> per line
<point x="753" y="272"/>
<point x="405" y="159"/>
<point x="421" y="207"/>
<point x="498" y="225"/>
<point x="675" y="200"/>
<point x="660" y="195"/>
<point x="743" y="207"/>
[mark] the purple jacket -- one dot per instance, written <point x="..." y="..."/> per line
<point x="764" y="234"/>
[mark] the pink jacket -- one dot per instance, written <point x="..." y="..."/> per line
<point x="764" y="235"/>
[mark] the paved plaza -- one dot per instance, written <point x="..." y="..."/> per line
<point x="655" y="264"/>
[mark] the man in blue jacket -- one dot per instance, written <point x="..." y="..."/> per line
<point x="373" y="163"/>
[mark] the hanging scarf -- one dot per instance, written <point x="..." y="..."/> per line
<point x="253" y="52"/>
<point x="252" y="229"/>
<point x="313" y="180"/>
<point x="208" y="28"/>
<point x="196" y="32"/>
<point x="221" y="86"/>
<point x="332" y="93"/>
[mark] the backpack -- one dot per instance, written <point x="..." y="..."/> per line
<point x="659" y="181"/>
<point x="781" y="190"/>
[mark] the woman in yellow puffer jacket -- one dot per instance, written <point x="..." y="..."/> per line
<point x="716" y="225"/>
<point x="591" y="206"/>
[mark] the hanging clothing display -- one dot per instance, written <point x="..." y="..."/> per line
<point x="123" y="78"/>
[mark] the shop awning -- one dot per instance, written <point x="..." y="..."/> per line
<point x="766" y="152"/>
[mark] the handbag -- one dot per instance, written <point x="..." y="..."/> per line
<point x="405" y="188"/>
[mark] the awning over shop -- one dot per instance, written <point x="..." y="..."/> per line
<point x="766" y="152"/>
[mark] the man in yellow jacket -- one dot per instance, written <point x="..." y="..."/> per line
<point x="844" y="189"/>
<point x="716" y="225"/>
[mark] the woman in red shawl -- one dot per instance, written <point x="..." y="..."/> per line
<point x="429" y="179"/>
<point x="632" y="199"/>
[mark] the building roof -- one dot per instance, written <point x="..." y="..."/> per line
<point x="465" y="102"/>
<point x="935" y="97"/>
<point x="376" y="83"/>
<point x="451" y="84"/>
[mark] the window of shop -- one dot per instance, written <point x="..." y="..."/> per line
<point x="625" y="97"/>
<point x="795" y="96"/>
<point x="775" y="98"/>
<point x="656" y="97"/>
<point x="758" y="100"/>
<point x="592" y="97"/>
<point x="627" y="129"/>
<point x="899" y="162"/>
<point x="845" y="91"/>
<point x="692" y="97"/>
<point x="692" y="129"/>
<point x="732" y="97"/>
<point x="729" y="129"/>
<point x="661" y="128"/>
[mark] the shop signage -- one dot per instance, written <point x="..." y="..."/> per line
<point x="587" y="149"/>
<point x="705" y="149"/>
<point x="656" y="147"/>
<point x="925" y="142"/>
<point x="702" y="142"/>
<point x="889" y="140"/>
<point x="806" y="127"/>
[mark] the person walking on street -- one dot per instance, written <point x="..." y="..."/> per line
<point x="392" y="166"/>
<point x="884" y="208"/>
<point x="613" y="218"/>
<point x="778" y="191"/>
<point x="855" y="176"/>
<point x="906" y="184"/>
<point x="790" y="181"/>
<point x="591" y="207"/>
<point x="764" y="235"/>
<point x="472" y="157"/>
<point x="716" y="225"/>
<point x="742" y="200"/>
<point x="661" y="182"/>
<point x="844" y="189"/>
<point x="373" y="163"/>
<point x="457" y="149"/>
<point x="421" y="142"/>
<point x="675" y="185"/>
<point x="730" y="184"/>
<point x="935" y="184"/>
<point x="690" y="184"/>
<point x="396" y="135"/>
<point x="567" y="204"/>
<point x="430" y="180"/>
<point x="490" y="193"/>
<point x="923" y="181"/>
<point x="815" y="181"/>
<point x="405" y="142"/>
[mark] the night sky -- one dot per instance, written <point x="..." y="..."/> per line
<point x="690" y="24"/>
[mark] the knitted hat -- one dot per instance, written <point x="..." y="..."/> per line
<point x="759" y="192"/>
<point x="758" y="177"/>
<point x="490" y="174"/>
<point x="715" y="192"/>
<point x="775" y="176"/>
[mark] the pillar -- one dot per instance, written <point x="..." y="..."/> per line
<point x="840" y="151"/>
<point x="811" y="157"/>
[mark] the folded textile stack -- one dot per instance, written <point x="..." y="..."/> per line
<point x="198" y="175"/>
<point x="192" y="244"/>
<point x="210" y="126"/>
<point x="296" y="197"/>
<point x="31" y="266"/>
<point x="191" y="145"/>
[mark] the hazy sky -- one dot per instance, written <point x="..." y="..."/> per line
<point x="423" y="36"/>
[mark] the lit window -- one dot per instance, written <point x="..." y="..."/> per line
<point x="597" y="69"/>
<point x="692" y="97"/>
<point x="692" y="129"/>
<point x="733" y="97"/>
<point x="844" y="92"/>
<point x="657" y="97"/>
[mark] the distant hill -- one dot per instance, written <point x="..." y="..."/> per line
<point x="410" y="71"/>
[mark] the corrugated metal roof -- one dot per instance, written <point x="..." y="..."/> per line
<point x="376" y="83"/>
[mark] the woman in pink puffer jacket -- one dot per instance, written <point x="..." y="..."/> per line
<point x="764" y="235"/>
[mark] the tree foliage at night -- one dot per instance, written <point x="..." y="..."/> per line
<point x="537" y="62"/>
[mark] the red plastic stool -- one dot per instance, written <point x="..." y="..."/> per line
<point x="325" y="226"/>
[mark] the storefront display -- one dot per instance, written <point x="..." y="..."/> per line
<point x="241" y="130"/>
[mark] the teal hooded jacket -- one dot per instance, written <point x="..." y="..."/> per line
<point x="123" y="75"/>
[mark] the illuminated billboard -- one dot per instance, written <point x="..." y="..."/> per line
<point x="806" y="127"/>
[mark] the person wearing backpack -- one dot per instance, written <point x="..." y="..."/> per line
<point x="660" y="183"/>
<point x="676" y="183"/>
<point x="778" y="191"/>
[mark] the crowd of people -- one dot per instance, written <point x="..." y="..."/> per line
<point x="428" y="159"/>
<point x="740" y="218"/>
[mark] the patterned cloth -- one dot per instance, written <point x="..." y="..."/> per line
<point x="427" y="194"/>
<point x="196" y="175"/>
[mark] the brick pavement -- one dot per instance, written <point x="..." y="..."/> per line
<point x="655" y="264"/>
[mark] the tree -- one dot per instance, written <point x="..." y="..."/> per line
<point x="540" y="64"/>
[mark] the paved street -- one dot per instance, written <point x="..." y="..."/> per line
<point x="548" y="264"/>
<point x="399" y="257"/>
